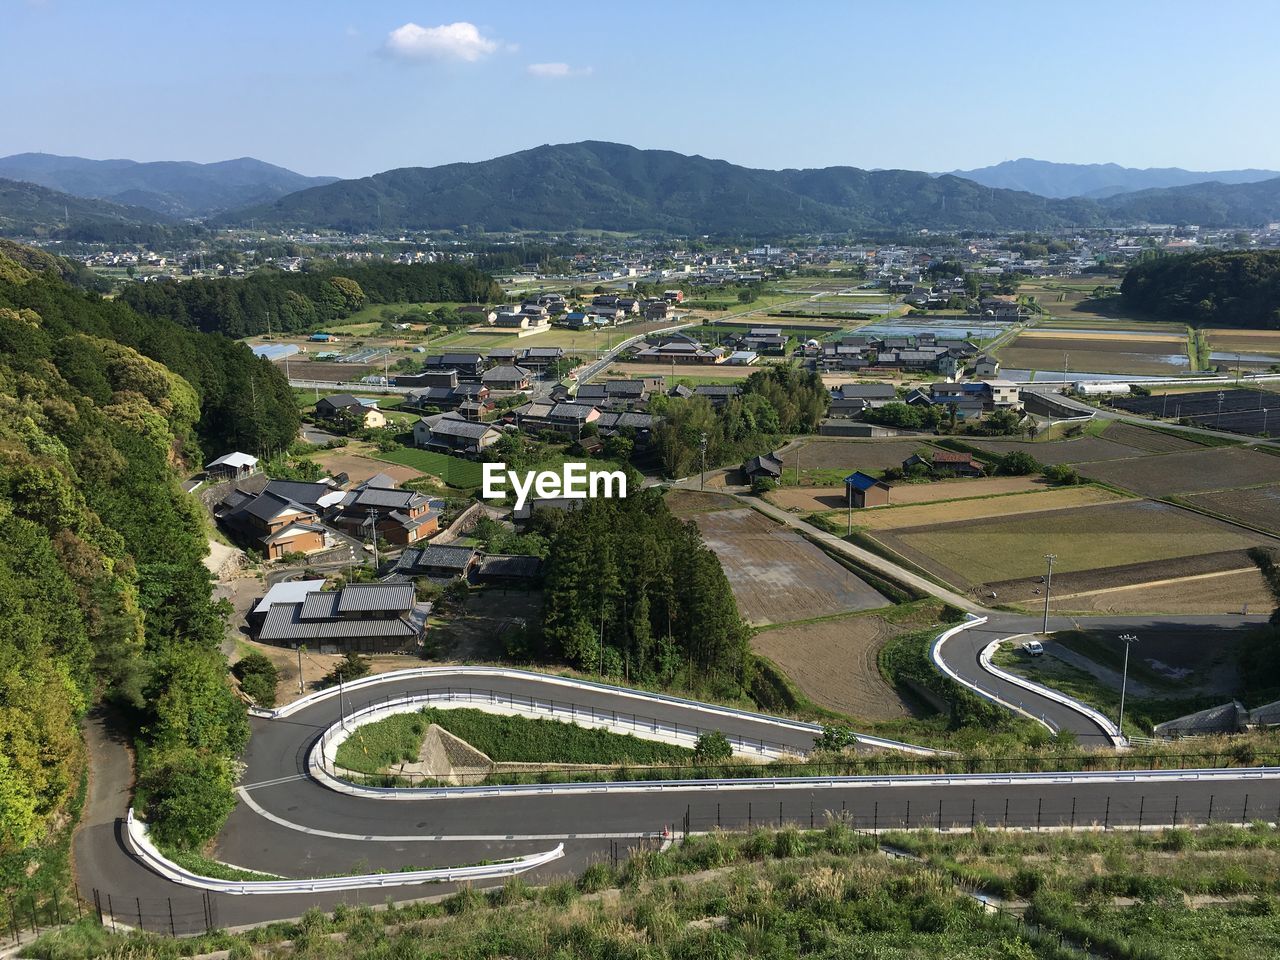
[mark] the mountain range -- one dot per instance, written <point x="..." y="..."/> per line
<point x="610" y="186"/>
<point x="175" y="188"/>
<point x="595" y="185"/>
<point x="1097" y="180"/>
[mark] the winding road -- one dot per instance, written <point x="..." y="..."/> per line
<point x="289" y="823"/>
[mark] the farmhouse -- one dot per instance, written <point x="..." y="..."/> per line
<point x="946" y="463"/>
<point x="343" y="405"/>
<point x="401" y="517"/>
<point x="468" y="365"/>
<point x="477" y="313"/>
<point x="452" y="433"/>
<point x="364" y="617"/>
<point x="273" y="523"/>
<point x="865" y="490"/>
<point x="440" y="561"/>
<point x="510" y="378"/>
<point x="765" y="467"/>
<point x="508" y="568"/>
<point x="681" y="351"/>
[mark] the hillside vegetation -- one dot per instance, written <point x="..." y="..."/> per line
<point x="103" y="593"/>
<point x="1239" y="288"/>
<point x="293" y="302"/>
<point x="28" y="210"/>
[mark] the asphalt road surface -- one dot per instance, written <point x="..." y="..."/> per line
<point x="293" y="826"/>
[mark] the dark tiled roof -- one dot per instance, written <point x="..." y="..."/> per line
<point x="504" y="565"/>
<point x="448" y="556"/>
<point x="365" y="597"/>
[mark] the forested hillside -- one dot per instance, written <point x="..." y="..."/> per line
<point x="629" y="582"/>
<point x="612" y="186"/>
<point x="28" y="210"/>
<point x="103" y="594"/>
<point x="1238" y="288"/>
<point x="306" y="301"/>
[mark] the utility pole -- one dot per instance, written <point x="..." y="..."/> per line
<point x="1218" y="421"/>
<point x="1048" y="585"/>
<point x="702" y="446"/>
<point x="1265" y="411"/>
<point x="1129" y="640"/>
<point x="848" y="490"/>
<point x="301" y="647"/>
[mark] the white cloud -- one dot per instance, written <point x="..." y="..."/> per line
<point x="449" y="41"/>
<point x="556" y="70"/>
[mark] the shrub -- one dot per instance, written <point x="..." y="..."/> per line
<point x="712" y="747"/>
<point x="258" y="677"/>
<point x="189" y="797"/>
<point x="352" y="666"/>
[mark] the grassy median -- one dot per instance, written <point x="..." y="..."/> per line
<point x="504" y="739"/>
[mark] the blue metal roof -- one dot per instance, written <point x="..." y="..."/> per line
<point x="860" y="481"/>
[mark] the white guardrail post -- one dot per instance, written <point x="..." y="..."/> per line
<point x="141" y="846"/>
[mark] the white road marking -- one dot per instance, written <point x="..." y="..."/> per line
<point x="422" y="837"/>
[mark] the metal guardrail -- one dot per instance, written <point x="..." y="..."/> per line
<point x="757" y="784"/>
<point x="1109" y="728"/>
<point x="142" y="847"/>
<point x="647" y="728"/>
<point x="412" y="673"/>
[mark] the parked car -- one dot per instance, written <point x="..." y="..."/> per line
<point x="1033" y="648"/>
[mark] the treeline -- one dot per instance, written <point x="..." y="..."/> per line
<point x="776" y="400"/>
<point x="292" y="302"/>
<point x="632" y="591"/>
<point x="103" y="593"/>
<point x="241" y="402"/>
<point x="1238" y="288"/>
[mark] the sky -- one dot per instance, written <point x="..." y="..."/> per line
<point x="352" y="88"/>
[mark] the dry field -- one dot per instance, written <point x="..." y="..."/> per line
<point x="810" y="499"/>
<point x="1226" y="592"/>
<point x="834" y="664"/>
<point x="1191" y="471"/>
<point x="689" y="503"/>
<point x="870" y="456"/>
<point x="925" y="514"/>
<point x="1148" y="441"/>
<point x="1139" y="354"/>
<point x="1079" y="450"/>
<point x="359" y="467"/>
<point x="1256" y="506"/>
<point x="969" y="553"/>
<point x="327" y="371"/>
<point x="777" y="576"/>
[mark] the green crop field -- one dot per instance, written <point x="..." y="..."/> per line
<point x="456" y="472"/>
